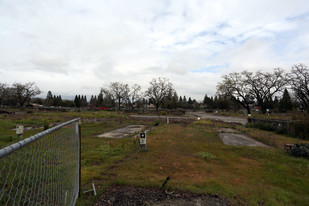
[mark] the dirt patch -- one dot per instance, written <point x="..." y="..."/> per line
<point x="226" y="119"/>
<point x="163" y="119"/>
<point x="123" y="132"/>
<point x="234" y="137"/>
<point x="132" y="195"/>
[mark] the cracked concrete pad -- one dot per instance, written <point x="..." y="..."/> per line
<point x="236" y="138"/>
<point x="228" y="130"/>
<point x="122" y="132"/>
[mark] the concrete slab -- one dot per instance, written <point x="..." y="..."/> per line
<point x="233" y="137"/>
<point x="228" y="130"/>
<point x="122" y="132"/>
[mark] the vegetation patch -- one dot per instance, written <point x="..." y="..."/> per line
<point x="300" y="150"/>
<point x="206" y="155"/>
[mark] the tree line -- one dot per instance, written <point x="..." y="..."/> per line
<point x="119" y="95"/>
<point x="262" y="88"/>
<point x="236" y="90"/>
<point x="18" y="94"/>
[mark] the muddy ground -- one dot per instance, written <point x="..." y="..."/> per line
<point x="132" y="195"/>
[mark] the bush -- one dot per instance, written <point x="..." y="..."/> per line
<point x="205" y="155"/>
<point x="157" y="123"/>
<point x="46" y="125"/>
<point x="300" y="150"/>
<point x="301" y="130"/>
<point x="63" y="110"/>
<point x="163" y="113"/>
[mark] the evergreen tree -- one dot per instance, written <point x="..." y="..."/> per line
<point x="100" y="99"/>
<point x="58" y="101"/>
<point x="175" y="100"/>
<point x="91" y="100"/>
<point x="49" y="99"/>
<point x="286" y="102"/>
<point x="184" y="102"/>
<point x="77" y="101"/>
<point x="208" y="102"/>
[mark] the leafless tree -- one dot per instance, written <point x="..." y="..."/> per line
<point x="119" y="91"/>
<point x="263" y="86"/>
<point x="299" y="78"/>
<point x="158" y="90"/>
<point x="234" y="87"/>
<point x="3" y="92"/>
<point x="133" y="95"/>
<point x="23" y="93"/>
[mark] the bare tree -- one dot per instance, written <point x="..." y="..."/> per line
<point x="133" y="95"/>
<point x="263" y="86"/>
<point x="23" y="93"/>
<point x="3" y="92"/>
<point x="234" y="87"/>
<point x="299" y="78"/>
<point x="118" y="91"/>
<point x="158" y="90"/>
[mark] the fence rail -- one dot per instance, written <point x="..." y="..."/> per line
<point x="43" y="169"/>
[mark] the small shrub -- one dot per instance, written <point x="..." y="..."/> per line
<point x="163" y="113"/>
<point x="301" y="130"/>
<point x="206" y="155"/>
<point x="63" y="110"/>
<point x="157" y="123"/>
<point x="29" y="112"/>
<point x="300" y="150"/>
<point x="46" y="125"/>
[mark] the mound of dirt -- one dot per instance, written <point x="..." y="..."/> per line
<point x="132" y="195"/>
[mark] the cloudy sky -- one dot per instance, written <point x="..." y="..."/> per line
<point x="76" y="46"/>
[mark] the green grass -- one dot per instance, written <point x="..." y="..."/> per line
<point x="191" y="154"/>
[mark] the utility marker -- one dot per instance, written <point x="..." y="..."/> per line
<point x="142" y="140"/>
<point x="20" y="130"/>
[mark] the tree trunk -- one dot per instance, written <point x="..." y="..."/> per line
<point x="248" y="110"/>
<point x="157" y="106"/>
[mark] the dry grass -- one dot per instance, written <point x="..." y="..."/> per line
<point x="270" y="138"/>
<point x="191" y="154"/>
<point x="244" y="175"/>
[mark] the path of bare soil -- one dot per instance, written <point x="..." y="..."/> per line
<point x="227" y="119"/>
<point x="123" y="132"/>
<point x="132" y="195"/>
<point x="234" y="137"/>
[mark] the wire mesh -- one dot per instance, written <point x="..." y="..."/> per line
<point x="42" y="169"/>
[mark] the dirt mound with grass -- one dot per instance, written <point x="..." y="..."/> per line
<point x="132" y="195"/>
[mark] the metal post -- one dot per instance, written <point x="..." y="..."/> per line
<point x="80" y="143"/>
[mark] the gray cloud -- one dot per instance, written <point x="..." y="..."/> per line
<point x="72" y="45"/>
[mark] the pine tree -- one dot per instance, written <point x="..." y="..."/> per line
<point x="175" y="100"/>
<point x="77" y="101"/>
<point x="286" y="102"/>
<point x="100" y="99"/>
<point x="49" y="99"/>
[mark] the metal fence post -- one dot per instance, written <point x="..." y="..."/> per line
<point x="80" y="143"/>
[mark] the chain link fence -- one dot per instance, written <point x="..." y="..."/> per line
<point x="42" y="169"/>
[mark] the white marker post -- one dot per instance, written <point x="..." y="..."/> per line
<point x="19" y="130"/>
<point x="142" y="140"/>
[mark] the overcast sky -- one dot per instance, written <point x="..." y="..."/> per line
<point x="76" y="46"/>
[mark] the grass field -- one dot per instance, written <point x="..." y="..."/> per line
<point x="190" y="153"/>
